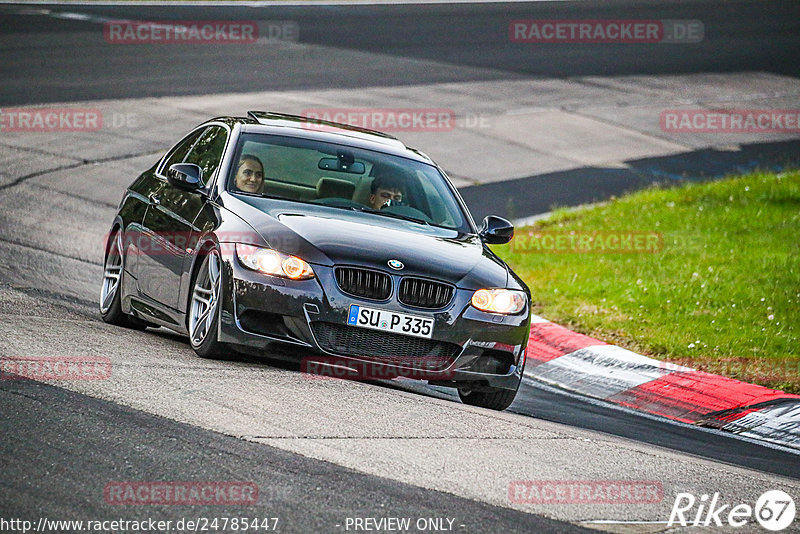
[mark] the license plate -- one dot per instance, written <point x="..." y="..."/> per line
<point x="389" y="321"/>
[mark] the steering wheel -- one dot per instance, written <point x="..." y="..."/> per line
<point x="408" y="211"/>
<point x="338" y="202"/>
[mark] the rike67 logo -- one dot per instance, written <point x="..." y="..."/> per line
<point x="774" y="510"/>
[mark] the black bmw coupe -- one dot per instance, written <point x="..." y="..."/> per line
<point x="341" y="244"/>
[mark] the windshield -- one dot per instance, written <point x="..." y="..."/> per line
<point x="341" y="176"/>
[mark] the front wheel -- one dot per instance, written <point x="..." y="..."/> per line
<point x="497" y="399"/>
<point x="204" y="308"/>
<point x="494" y="398"/>
<point x="113" y="271"/>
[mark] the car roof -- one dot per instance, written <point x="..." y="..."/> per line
<point x="270" y="122"/>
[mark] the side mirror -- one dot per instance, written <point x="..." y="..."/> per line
<point x="185" y="176"/>
<point x="496" y="230"/>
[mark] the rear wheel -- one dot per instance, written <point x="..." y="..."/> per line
<point x="204" y="308"/>
<point x="113" y="271"/>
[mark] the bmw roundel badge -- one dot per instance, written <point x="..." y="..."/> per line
<point x="396" y="264"/>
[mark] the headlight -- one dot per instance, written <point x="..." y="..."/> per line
<point x="272" y="262"/>
<point x="499" y="300"/>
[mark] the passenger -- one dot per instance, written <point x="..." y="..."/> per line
<point x="250" y="174"/>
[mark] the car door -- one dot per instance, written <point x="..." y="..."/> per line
<point x="169" y="219"/>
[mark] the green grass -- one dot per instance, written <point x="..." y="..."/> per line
<point x="721" y="295"/>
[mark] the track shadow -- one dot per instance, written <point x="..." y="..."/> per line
<point x="523" y="197"/>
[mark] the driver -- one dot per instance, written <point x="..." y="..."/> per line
<point x="250" y="174"/>
<point x="386" y="190"/>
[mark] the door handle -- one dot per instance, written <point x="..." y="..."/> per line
<point x="154" y="199"/>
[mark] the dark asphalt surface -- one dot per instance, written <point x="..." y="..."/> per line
<point x="66" y="447"/>
<point x="69" y="60"/>
<point x="550" y="404"/>
<point x="58" y="59"/>
<point x="522" y="197"/>
<point x="59" y="448"/>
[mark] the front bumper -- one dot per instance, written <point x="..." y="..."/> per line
<point x="468" y="346"/>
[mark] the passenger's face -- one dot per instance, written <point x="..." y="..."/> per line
<point x="380" y="197"/>
<point x="250" y="177"/>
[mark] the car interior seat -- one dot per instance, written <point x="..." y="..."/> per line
<point x="363" y="190"/>
<point x="335" y="188"/>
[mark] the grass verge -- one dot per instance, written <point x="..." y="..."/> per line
<point x="709" y="276"/>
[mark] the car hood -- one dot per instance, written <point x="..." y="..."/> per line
<point x="330" y="236"/>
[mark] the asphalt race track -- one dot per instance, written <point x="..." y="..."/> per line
<point x="467" y="41"/>
<point x="320" y="451"/>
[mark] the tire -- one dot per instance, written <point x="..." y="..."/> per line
<point x="495" y="399"/>
<point x="203" y="318"/>
<point x="113" y="271"/>
<point x="498" y="399"/>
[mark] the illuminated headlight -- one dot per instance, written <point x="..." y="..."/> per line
<point x="499" y="300"/>
<point x="272" y="262"/>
